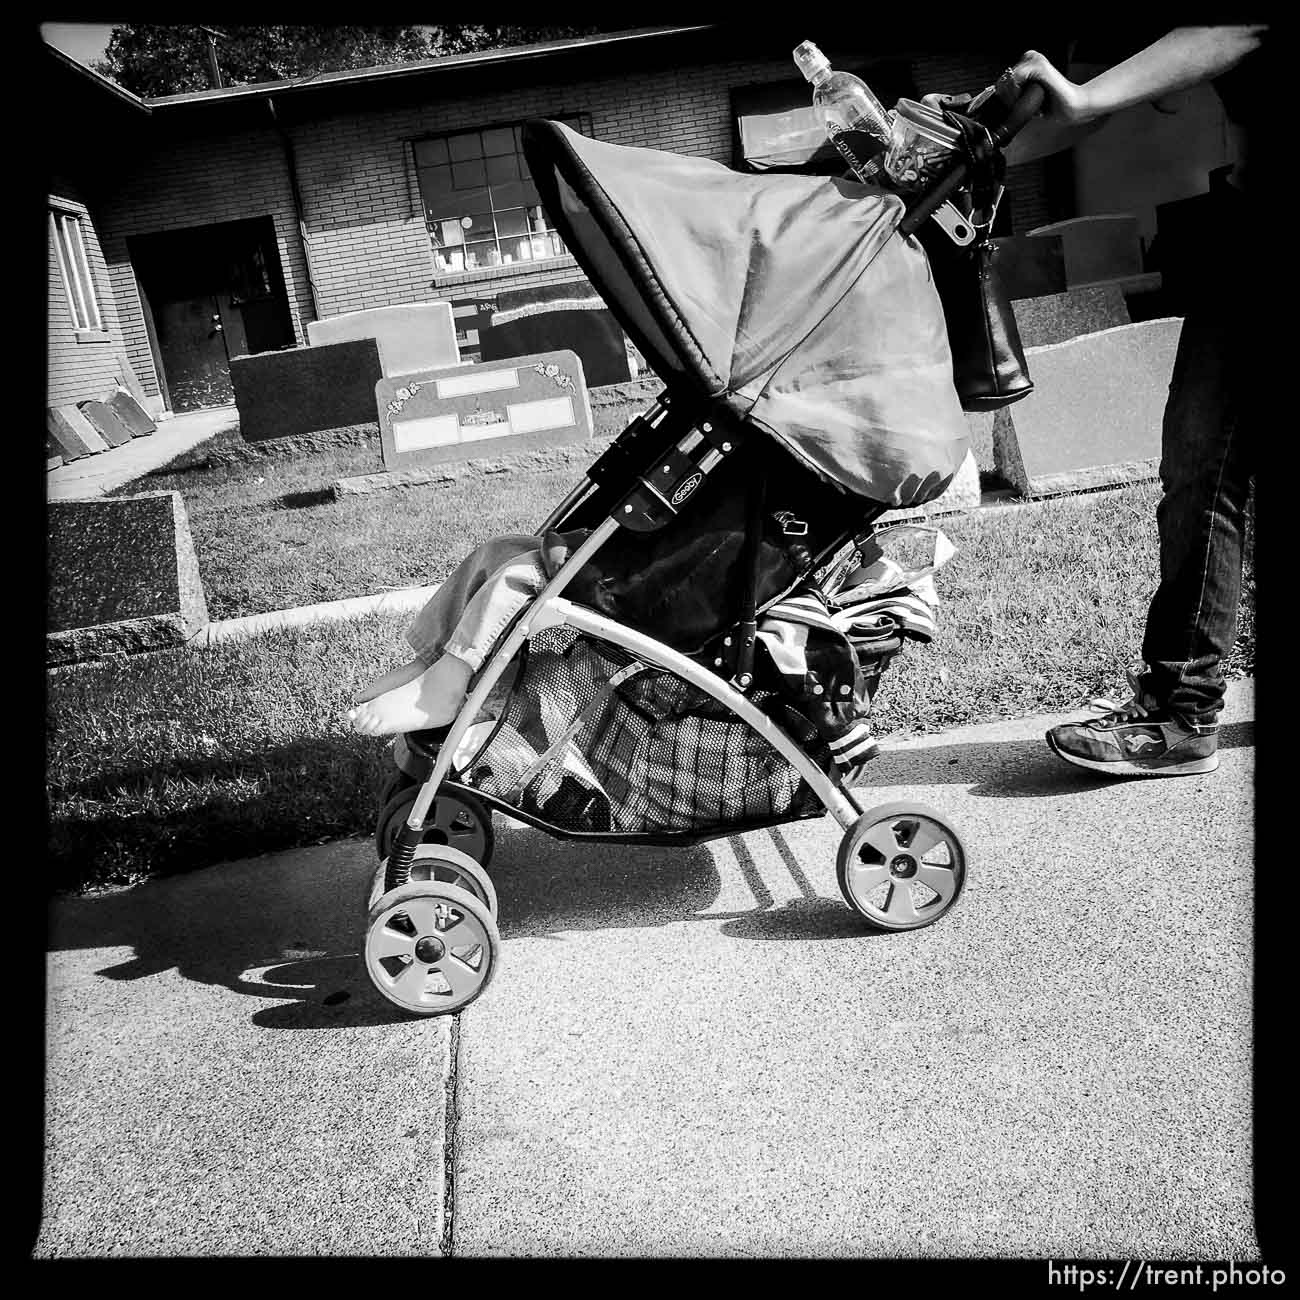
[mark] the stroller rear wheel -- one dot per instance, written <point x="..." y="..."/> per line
<point x="395" y="784"/>
<point x="901" y="866"/>
<point x="431" y="948"/>
<point x="455" y="819"/>
<point x="442" y="864"/>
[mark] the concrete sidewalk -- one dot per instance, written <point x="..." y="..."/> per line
<point x="692" y="1051"/>
<point x="93" y="476"/>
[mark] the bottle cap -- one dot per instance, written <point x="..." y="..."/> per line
<point x="811" y="61"/>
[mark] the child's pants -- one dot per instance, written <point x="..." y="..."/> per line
<point x="492" y="584"/>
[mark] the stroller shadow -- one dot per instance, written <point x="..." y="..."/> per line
<point x="290" y="927"/>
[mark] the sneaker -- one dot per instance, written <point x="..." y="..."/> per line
<point x="1138" y="739"/>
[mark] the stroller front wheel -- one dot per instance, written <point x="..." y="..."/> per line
<point x="431" y="948"/>
<point x="901" y="866"/>
<point x="440" y="864"/>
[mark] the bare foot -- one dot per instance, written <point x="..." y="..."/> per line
<point x="430" y="700"/>
<point x="391" y="680"/>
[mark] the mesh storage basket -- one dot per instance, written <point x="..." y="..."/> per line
<point x="587" y="739"/>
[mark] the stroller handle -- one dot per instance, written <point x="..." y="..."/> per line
<point x="920" y="210"/>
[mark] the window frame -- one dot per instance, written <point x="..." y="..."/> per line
<point x="67" y="232"/>
<point x="579" y="121"/>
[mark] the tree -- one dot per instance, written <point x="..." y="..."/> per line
<point x="466" y="38"/>
<point x="153" y="59"/>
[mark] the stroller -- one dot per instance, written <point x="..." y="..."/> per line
<point x="638" y="699"/>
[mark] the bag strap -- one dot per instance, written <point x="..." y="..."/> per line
<point x="987" y="167"/>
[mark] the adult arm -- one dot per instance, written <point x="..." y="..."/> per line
<point x="1180" y="59"/>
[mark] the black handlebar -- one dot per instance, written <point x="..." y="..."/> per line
<point x="923" y="206"/>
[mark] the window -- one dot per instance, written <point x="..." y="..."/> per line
<point x="480" y="202"/>
<point x="70" y="244"/>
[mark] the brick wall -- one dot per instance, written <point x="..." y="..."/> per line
<point x="79" y="366"/>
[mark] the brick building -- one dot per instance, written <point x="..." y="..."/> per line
<point x="188" y="229"/>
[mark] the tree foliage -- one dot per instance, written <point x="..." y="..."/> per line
<point x="152" y="59"/>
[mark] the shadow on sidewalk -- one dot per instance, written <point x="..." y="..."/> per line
<point x="290" y="927"/>
<point x="1008" y="769"/>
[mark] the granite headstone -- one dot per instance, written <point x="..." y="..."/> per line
<point x="130" y="413"/>
<point x="106" y="422"/>
<point x="74" y="435"/>
<point x="412" y="337"/>
<point x="1055" y="317"/>
<point x="570" y="316"/>
<point x="306" y="390"/>
<point x="480" y="410"/>
<point x="122" y="577"/>
<point x="1094" y="417"/>
<point x="1106" y="246"/>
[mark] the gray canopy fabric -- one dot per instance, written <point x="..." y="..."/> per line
<point x="789" y="298"/>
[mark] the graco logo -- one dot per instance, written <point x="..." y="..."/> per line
<point x="687" y="488"/>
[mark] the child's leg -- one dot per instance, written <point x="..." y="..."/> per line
<point x="451" y="636"/>
<point x="431" y="698"/>
<point x="392" y="679"/>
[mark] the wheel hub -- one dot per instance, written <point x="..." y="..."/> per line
<point x="430" y="950"/>
<point x="903" y="866"/>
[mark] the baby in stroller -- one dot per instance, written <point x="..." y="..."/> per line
<point x="454" y="631"/>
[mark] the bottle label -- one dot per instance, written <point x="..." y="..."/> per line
<point x="860" y="149"/>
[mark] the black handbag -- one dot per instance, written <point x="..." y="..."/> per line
<point x="988" y="359"/>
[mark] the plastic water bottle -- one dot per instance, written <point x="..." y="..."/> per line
<point x="853" y="117"/>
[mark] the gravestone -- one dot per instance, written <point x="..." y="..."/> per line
<point x="1030" y="266"/>
<point x="1094" y="418"/>
<point x="305" y="390"/>
<point x="128" y="379"/>
<point x="74" y="435"/>
<point x="1056" y="317"/>
<point x="106" y="422"/>
<point x="412" y="337"/>
<point x="481" y="410"/>
<point x="570" y="316"/>
<point x="130" y="413"/>
<point x="122" y="577"/>
<point x="1098" y="248"/>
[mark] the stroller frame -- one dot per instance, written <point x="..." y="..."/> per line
<point x="431" y="906"/>
<point x="549" y="609"/>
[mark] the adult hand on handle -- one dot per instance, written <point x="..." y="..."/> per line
<point x="1065" y="118"/>
<point x="1064" y="102"/>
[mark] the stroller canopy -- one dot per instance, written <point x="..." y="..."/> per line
<point x="787" y="297"/>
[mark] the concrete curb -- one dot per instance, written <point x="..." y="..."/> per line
<point x="334" y="611"/>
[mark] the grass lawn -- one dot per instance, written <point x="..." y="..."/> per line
<point x="269" y="533"/>
<point x="172" y="761"/>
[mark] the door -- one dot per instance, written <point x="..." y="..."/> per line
<point x="214" y="292"/>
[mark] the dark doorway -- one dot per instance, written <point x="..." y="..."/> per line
<point x="211" y="293"/>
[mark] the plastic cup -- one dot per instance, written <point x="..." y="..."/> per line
<point x="921" y="146"/>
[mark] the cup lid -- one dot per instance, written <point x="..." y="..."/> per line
<point x="926" y="120"/>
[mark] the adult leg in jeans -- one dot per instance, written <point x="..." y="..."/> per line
<point x="1207" y="457"/>
<point x="1205" y="470"/>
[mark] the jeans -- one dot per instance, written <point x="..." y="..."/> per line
<point x="492" y="584"/>
<point x="1208" y="449"/>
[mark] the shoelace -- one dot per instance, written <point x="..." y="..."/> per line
<point x="1133" y="708"/>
